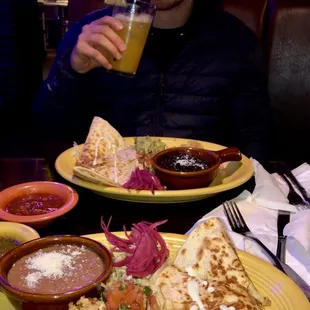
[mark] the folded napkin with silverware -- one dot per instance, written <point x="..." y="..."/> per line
<point x="261" y="211"/>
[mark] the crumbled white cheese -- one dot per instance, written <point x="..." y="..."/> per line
<point x="193" y="292"/>
<point x="223" y="307"/>
<point x="187" y="161"/>
<point x="53" y="265"/>
<point x="211" y="289"/>
<point x="190" y="271"/>
<point x="129" y="278"/>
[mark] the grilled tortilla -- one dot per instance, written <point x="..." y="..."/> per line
<point x="102" y="140"/>
<point x="209" y="254"/>
<point x="105" y="158"/>
<point x="171" y="288"/>
<point x="114" y="170"/>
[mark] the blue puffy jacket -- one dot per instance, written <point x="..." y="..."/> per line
<point x="214" y="89"/>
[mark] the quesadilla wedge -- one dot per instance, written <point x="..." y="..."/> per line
<point x="102" y="140"/>
<point x="114" y="170"/>
<point x="209" y="254"/>
<point x="105" y="158"/>
<point x="176" y="290"/>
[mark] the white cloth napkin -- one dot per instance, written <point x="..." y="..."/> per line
<point x="260" y="211"/>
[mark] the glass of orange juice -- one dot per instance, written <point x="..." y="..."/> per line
<point x="136" y="17"/>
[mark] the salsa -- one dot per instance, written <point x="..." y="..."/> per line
<point x="126" y="295"/>
<point x="7" y="244"/>
<point x="34" y="204"/>
<point x="184" y="162"/>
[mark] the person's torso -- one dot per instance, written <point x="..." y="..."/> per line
<point x="188" y="97"/>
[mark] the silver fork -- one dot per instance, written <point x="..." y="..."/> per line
<point x="302" y="207"/>
<point x="239" y="226"/>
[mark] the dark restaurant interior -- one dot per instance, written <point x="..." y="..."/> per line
<point x="154" y="154"/>
<point x="30" y="32"/>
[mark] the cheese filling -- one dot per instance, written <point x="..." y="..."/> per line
<point x="190" y="271"/>
<point x="193" y="292"/>
<point x="97" y="146"/>
<point x="223" y="307"/>
<point x="115" y="164"/>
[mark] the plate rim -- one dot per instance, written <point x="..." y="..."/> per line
<point x="181" y="237"/>
<point x="197" y="192"/>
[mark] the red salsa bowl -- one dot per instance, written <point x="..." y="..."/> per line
<point x="36" y="203"/>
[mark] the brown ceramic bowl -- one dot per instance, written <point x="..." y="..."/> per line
<point x="198" y="179"/>
<point x="68" y="195"/>
<point x="32" y="301"/>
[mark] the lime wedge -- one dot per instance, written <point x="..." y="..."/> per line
<point x="116" y="2"/>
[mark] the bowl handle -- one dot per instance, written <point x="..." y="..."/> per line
<point x="229" y="154"/>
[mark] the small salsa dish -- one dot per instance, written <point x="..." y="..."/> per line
<point x="51" y="272"/>
<point x="36" y="204"/>
<point x="181" y="168"/>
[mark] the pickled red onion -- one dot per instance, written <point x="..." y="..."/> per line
<point x="145" y="248"/>
<point x="143" y="179"/>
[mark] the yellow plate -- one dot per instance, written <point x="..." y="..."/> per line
<point x="282" y="291"/>
<point x="234" y="174"/>
<point x="269" y="281"/>
<point x="19" y="232"/>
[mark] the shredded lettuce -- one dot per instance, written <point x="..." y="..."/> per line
<point x="77" y="151"/>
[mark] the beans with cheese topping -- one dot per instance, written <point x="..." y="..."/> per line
<point x="56" y="269"/>
<point x="183" y="163"/>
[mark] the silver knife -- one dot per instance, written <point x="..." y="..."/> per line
<point x="302" y="190"/>
<point x="297" y="279"/>
<point x="283" y="220"/>
<point x="284" y="268"/>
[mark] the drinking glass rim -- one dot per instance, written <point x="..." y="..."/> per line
<point x="137" y="2"/>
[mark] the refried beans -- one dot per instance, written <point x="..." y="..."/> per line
<point x="56" y="269"/>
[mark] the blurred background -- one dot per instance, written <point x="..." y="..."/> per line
<point x="30" y="31"/>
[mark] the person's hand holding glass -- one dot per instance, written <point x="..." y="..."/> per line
<point x="116" y="42"/>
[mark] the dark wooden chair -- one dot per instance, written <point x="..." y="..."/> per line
<point x="289" y="78"/>
<point x="252" y="13"/>
<point x="78" y="8"/>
